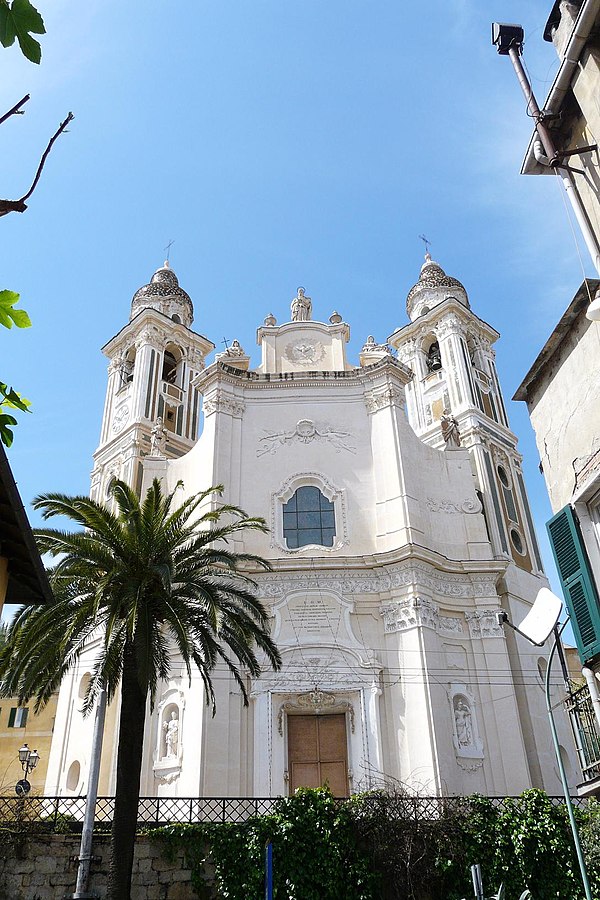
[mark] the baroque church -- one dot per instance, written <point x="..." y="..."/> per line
<point x="399" y="527"/>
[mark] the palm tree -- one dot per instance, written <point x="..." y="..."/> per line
<point x="143" y="576"/>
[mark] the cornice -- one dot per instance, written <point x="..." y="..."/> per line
<point x="433" y="317"/>
<point x="252" y="380"/>
<point x="177" y="332"/>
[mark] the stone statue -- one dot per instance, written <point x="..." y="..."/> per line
<point x="450" y="430"/>
<point x="158" y="438"/>
<point x="464" y="724"/>
<point x="301" y="307"/>
<point x="236" y="349"/>
<point x="171" y="729"/>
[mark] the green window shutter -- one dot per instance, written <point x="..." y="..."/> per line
<point x="11" y="717"/>
<point x="577" y="581"/>
<point x="24" y="714"/>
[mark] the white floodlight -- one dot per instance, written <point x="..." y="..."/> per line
<point x="593" y="310"/>
<point x="540" y="621"/>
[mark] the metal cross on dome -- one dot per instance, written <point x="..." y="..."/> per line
<point x="168" y="249"/>
<point x="426" y="241"/>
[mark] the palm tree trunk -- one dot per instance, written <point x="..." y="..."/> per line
<point x="129" y="765"/>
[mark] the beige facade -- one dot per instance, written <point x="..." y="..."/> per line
<point x="20" y="726"/>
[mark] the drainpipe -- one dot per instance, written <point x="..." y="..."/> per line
<point x="546" y="154"/>
<point x="592" y="684"/>
<point x="579" y="36"/>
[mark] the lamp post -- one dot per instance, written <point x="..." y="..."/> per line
<point x="536" y="627"/>
<point x="29" y="760"/>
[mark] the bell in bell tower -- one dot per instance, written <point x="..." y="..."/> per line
<point x="454" y="401"/>
<point x="151" y="404"/>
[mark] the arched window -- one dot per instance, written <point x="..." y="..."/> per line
<point x="434" y="358"/>
<point x="308" y="518"/>
<point x="169" y="370"/>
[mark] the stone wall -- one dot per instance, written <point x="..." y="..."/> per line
<point x="41" y="867"/>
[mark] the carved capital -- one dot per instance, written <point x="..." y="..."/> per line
<point x="483" y="623"/>
<point x="409" y="612"/>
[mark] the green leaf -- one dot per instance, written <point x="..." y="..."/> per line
<point x="7" y="28"/>
<point x="6" y="435"/>
<point x="20" y="20"/>
<point x="8" y="300"/>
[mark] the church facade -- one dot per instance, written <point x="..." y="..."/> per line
<point x="399" y="527"/>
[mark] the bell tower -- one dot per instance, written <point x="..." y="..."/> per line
<point x="450" y="351"/>
<point x="153" y="361"/>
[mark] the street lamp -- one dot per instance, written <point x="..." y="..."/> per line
<point x="537" y="626"/>
<point x="29" y="760"/>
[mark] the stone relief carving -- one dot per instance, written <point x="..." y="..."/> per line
<point x="419" y="576"/>
<point x="315" y="701"/>
<point x="449" y="325"/>
<point x="152" y="335"/>
<point x="305" y="432"/>
<point x="196" y="360"/>
<point x="305" y="352"/>
<point x="409" y="612"/>
<point x="470" y="505"/>
<point x="451" y="625"/>
<point x="222" y="401"/>
<point x="483" y="623"/>
<point x="407" y="351"/>
<point x="380" y="399"/>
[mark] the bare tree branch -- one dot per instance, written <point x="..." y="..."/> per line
<point x="7" y="206"/>
<point x="16" y="110"/>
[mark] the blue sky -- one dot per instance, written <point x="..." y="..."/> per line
<point x="278" y="144"/>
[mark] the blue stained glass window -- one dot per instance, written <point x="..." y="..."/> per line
<point x="308" y="518"/>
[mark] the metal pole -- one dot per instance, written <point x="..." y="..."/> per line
<point x="477" y="882"/>
<point x="85" y="850"/>
<point x="561" y="769"/>
<point x="269" y="871"/>
<point x="554" y="158"/>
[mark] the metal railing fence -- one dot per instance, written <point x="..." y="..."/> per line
<point x="66" y="813"/>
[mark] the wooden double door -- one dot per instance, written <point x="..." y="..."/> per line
<point x="318" y="752"/>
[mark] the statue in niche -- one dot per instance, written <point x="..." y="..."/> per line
<point x="301" y="307"/>
<point x="450" y="431"/>
<point x="158" y="438"/>
<point x="464" y="723"/>
<point x="171" y="730"/>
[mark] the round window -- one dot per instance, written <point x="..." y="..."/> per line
<point x="503" y="476"/>
<point x="517" y="541"/>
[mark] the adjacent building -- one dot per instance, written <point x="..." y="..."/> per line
<point x="399" y="528"/>
<point x="562" y="388"/>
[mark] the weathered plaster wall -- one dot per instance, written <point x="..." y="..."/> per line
<point x="564" y="408"/>
<point x="40" y="868"/>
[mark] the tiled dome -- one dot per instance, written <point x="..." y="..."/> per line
<point x="432" y="288"/>
<point x="164" y="294"/>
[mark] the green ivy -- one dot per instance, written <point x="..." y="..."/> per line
<point x="374" y="847"/>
